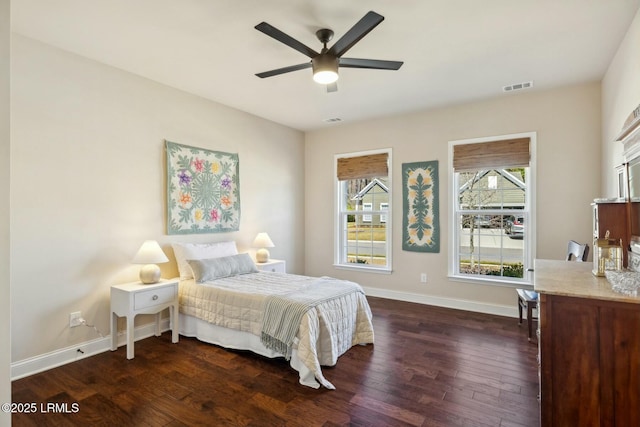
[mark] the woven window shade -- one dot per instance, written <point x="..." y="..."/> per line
<point x="363" y="166"/>
<point x="491" y="155"/>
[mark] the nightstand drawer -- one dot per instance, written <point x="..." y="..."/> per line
<point x="273" y="265"/>
<point x="153" y="297"/>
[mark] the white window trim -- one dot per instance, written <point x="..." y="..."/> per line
<point x="530" y="247"/>
<point x="338" y="229"/>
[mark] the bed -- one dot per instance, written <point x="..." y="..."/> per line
<point x="310" y="321"/>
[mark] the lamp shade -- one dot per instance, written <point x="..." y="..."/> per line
<point x="150" y="254"/>
<point x="262" y="241"/>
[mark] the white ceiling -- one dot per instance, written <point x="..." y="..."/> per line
<point x="454" y="51"/>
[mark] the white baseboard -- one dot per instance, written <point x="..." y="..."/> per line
<point x="47" y="361"/>
<point x="56" y="358"/>
<point x="478" y="307"/>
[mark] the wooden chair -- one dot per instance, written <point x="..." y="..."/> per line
<point x="577" y="251"/>
<point x="528" y="300"/>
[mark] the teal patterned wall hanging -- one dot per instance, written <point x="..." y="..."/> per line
<point x="203" y="191"/>
<point x="420" y="207"/>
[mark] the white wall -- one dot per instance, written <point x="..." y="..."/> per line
<point x="87" y="186"/>
<point x="87" y="180"/>
<point x="567" y="122"/>
<point x="620" y="96"/>
<point x="5" y="302"/>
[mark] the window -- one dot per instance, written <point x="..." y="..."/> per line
<point x="363" y="200"/>
<point x="492" y="223"/>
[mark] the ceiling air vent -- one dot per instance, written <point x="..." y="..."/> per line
<point x="517" y="86"/>
<point x="333" y="120"/>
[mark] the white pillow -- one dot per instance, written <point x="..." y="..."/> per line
<point x="187" y="251"/>
<point x="205" y="270"/>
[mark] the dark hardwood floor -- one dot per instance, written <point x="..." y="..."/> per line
<point x="429" y="366"/>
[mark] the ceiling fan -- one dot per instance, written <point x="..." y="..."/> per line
<point x="325" y="63"/>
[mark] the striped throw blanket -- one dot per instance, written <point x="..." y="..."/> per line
<point x="283" y="313"/>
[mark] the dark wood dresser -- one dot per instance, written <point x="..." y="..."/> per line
<point x="589" y="348"/>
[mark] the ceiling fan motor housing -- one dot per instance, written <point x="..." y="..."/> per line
<point x="325" y="68"/>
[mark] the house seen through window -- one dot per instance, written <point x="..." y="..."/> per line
<point x="492" y="234"/>
<point x="363" y="229"/>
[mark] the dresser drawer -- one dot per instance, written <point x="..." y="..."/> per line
<point x="153" y="297"/>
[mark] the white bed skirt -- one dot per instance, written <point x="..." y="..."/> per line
<point x="228" y="338"/>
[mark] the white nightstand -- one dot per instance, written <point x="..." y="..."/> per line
<point x="130" y="299"/>
<point x="275" y="265"/>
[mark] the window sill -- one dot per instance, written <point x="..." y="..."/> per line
<point x="362" y="269"/>
<point x="492" y="281"/>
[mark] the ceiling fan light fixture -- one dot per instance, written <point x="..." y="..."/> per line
<point x="325" y="77"/>
<point x="325" y="69"/>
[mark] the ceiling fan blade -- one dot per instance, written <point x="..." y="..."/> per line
<point x="284" y="70"/>
<point x="374" y="64"/>
<point x="286" y="39"/>
<point x="358" y="31"/>
<point x="332" y="87"/>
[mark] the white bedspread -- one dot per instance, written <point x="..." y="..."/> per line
<point x="326" y="331"/>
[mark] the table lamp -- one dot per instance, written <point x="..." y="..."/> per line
<point x="150" y="254"/>
<point x="262" y="241"/>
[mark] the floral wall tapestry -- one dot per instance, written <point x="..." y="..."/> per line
<point x="203" y="191"/>
<point x="420" y="207"/>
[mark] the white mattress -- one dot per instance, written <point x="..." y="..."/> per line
<point x="217" y="311"/>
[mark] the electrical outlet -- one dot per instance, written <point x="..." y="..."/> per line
<point x="75" y="319"/>
<point x="423" y="277"/>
